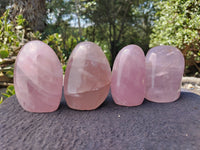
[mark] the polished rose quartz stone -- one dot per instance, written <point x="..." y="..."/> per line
<point x="87" y="77"/>
<point x="38" y="78"/>
<point x="128" y="74"/>
<point x="164" y="71"/>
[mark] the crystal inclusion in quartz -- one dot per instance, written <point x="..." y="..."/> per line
<point x="38" y="78"/>
<point x="164" y="71"/>
<point x="87" y="77"/>
<point x="128" y="74"/>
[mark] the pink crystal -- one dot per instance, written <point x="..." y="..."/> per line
<point x="164" y="71"/>
<point x="127" y="85"/>
<point x="38" y="78"/>
<point x="87" y="77"/>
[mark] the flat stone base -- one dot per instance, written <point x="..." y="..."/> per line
<point x="170" y="126"/>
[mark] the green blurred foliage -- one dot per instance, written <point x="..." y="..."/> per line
<point x="111" y="20"/>
<point x="56" y="43"/>
<point x="9" y="91"/>
<point x="1" y="100"/>
<point x="104" y="46"/>
<point x="12" y="37"/>
<point x="178" y="25"/>
<point x="125" y="22"/>
<point x="64" y="68"/>
<point x="119" y="23"/>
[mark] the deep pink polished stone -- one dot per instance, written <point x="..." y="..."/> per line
<point x="87" y="77"/>
<point x="164" y="71"/>
<point x="38" y="78"/>
<point x="128" y="74"/>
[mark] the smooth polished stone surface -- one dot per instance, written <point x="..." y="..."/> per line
<point x="164" y="71"/>
<point x="128" y="74"/>
<point x="38" y="78"/>
<point x="87" y="77"/>
<point x="150" y="126"/>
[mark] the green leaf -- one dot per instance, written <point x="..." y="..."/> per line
<point x="4" y="53"/>
<point x="9" y="91"/>
<point x="6" y="95"/>
<point x="64" y="68"/>
<point x="1" y="100"/>
<point x="10" y="74"/>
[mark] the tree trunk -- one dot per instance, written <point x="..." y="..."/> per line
<point x="114" y="50"/>
<point x="34" y="11"/>
<point x="93" y="33"/>
<point x="78" y="16"/>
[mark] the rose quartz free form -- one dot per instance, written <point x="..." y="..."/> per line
<point x="87" y="77"/>
<point x="38" y="78"/>
<point x="164" y="71"/>
<point x="128" y="74"/>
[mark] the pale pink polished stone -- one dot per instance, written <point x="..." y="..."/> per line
<point x="164" y="71"/>
<point x="87" y="77"/>
<point x="38" y="78"/>
<point x="128" y="74"/>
